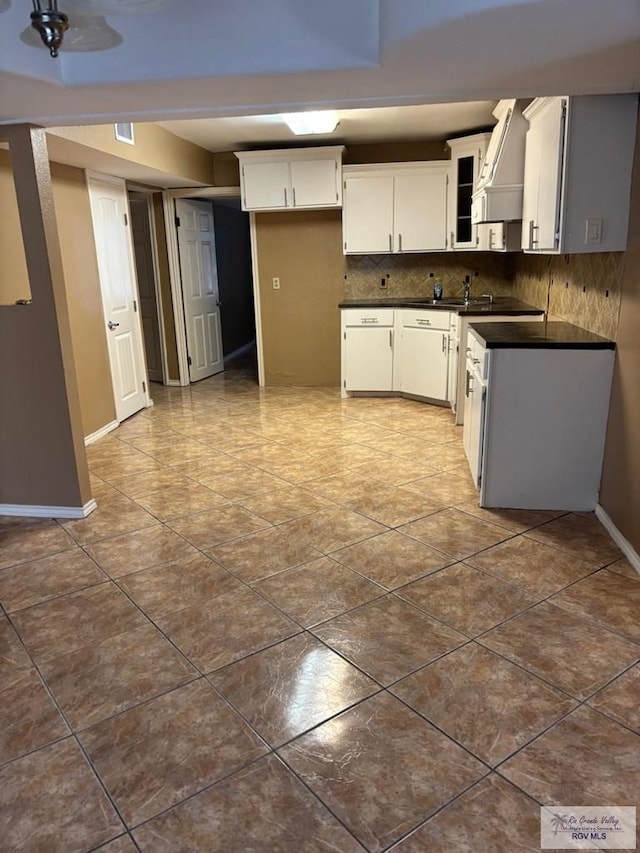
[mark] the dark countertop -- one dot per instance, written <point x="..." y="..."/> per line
<point x="500" y="305"/>
<point x="546" y="335"/>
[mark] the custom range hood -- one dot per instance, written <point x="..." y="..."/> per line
<point x="498" y="195"/>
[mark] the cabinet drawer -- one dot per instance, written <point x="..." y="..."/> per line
<point x="368" y="317"/>
<point x="426" y="319"/>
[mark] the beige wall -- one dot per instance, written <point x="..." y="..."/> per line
<point x="620" y="491"/>
<point x="75" y="235"/>
<point x="42" y="457"/>
<point x="155" y="148"/>
<point x="301" y="321"/>
<point x="14" y="281"/>
<point x="84" y="297"/>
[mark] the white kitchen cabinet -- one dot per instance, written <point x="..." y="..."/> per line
<point x="291" y="179"/>
<point x="367" y="349"/>
<point x="578" y="163"/>
<point x="454" y="350"/>
<point x="499" y="236"/>
<point x="422" y="355"/>
<point x="395" y="208"/>
<point x="467" y="156"/>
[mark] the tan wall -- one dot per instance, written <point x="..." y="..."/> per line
<point x="84" y="302"/>
<point x="14" y="281"/>
<point x="84" y="297"/>
<point x="395" y="152"/>
<point x="165" y="289"/>
<point x="154" y="148"/>
<point x="42" y="457"/>
<point x="301" y="321"/>
<point x="620" y="490"/>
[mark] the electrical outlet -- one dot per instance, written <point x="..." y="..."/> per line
<point x="276" y="283"/>
<point x="383" y="283"/>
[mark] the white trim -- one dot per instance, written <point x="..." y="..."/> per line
<point x="29" y="511"/>
<point x="100" y="433"/>
<point x="253" y="235"/>
<point x="173" y="383"/>
<point x="173" y="257"/>
<point x="621" y="541"/>
<point x="240" y="351"/>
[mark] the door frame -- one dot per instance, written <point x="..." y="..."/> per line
<point x="168" y="202"/>
<point x="99" y="177"/>
<point x="148" y="193"/>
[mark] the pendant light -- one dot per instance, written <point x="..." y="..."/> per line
<point x="50" y="24"/>
<point x="85" y="33"/>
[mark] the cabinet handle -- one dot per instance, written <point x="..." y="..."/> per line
<point x="399" y="242"/>
<point x="452" y="240"/>
<point x="467" y="387"/>
<point x="390" y="243"/>
<point x="285" y="196"/>
<point x="532" y="227"/>
<point x="422" y="322"/>
<point x="293" y="190"/>
<point x="491" y="238"/>
<point x="444" y="343"/>
<point x="369" y="320"/>
<point x="391" y="338"/>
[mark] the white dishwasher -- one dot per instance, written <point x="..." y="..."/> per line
<point x="475" y="392"/>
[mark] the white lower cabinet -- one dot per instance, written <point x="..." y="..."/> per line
<point x="396" y="351"/>
<point x="422" y="354"/>
<point x="367" y="349"/>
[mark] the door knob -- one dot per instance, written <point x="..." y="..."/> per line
<point x="112" y="325"/>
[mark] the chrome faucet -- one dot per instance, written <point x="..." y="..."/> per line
<point x="466" y="289"/>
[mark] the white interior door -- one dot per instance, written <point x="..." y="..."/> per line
<point x="119" y="294"/>
<point x="143" y="252"/>
<point x="196" y="242"/>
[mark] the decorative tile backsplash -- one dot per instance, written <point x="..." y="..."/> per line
<point x="582" y="289"/>
<point x="408" y="275"/>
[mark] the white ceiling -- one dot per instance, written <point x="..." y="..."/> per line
<point x="424" y="122"/>
<point x="217" y="58"/>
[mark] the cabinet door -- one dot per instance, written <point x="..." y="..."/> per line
<point x="265" y="185"/>
<point x="369" y="359"/>
<point x="367" y="218"/>
<point x="420" y="212"/>
<point x="314" y="183"/>
<point x="424" y="357"/>
<point x="543" y="163"/>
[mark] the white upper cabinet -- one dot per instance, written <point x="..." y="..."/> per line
<point x="467" y="157"/>
<point x="394" y="208"/>
<point x="577" y="178"/>
<point x="300" y="179"/>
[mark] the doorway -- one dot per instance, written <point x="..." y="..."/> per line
<point x="145" y="258"/>
<point x="235" y="273"/>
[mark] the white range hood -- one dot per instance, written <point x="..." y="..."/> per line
<point x="498" y="195"/>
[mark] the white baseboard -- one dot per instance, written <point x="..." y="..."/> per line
<point x="30" y="511"/>
<point x="173" y="383"/>
<point x="100" y="433"/>
<point x="625" y="546"/>
<point x="240" y="351"/>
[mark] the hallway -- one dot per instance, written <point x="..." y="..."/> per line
<point x="289" y="627"/>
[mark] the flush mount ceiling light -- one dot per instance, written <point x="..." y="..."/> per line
<point x="305" y="124"/>
<point x="87" y="30"/>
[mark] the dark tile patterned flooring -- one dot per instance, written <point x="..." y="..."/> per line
<point x="289" y="627"/>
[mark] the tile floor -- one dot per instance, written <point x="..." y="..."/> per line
<point x="289" y="627"/>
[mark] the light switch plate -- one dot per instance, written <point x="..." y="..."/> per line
<point x="593" y="232"/>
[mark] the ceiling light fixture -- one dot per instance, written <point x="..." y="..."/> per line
<point x="305" y="124"/>
<point x="84" y="33"/>
<point x="50" y="24"/>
